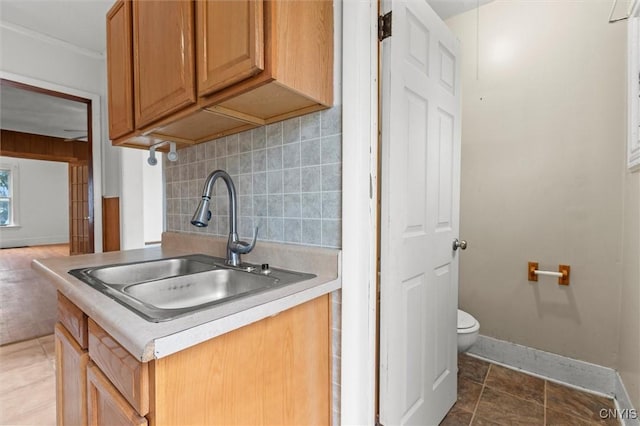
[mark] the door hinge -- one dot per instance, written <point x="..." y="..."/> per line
<point x="384" y="26"/>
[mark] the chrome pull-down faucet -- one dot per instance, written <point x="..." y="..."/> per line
<point x="235" y="247"/>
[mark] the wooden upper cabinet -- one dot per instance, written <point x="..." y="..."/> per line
<point x="164" y="66"/>
<point x="120" y="69"/>
<point x="230" y="42"/>
<point x="302" y="47"/>
<point x="209" y="68"/>
<point x="298" y="75"/>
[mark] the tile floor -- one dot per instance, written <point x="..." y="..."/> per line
<point x="27" y="299"/>
<point x="489" y="394"/>
<point x="27" y="383"/>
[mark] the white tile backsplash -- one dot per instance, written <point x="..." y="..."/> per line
<point x="287" y="176"/>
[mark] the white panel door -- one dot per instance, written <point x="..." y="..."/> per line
<point x="420" y="214"/>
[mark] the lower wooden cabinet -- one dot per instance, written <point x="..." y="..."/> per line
<point x="71" y="379"/>
<point x="274" y="371"/>
<point x="73" y="320"/>
<point x="127" y="374"/>
<point x="105" y="404"/>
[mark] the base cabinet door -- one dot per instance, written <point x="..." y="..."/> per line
<point x="71" y="379"/>
<point x="272" y="372"/>
<point x="105" y="404"/>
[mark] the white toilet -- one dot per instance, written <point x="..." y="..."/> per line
<point x="468" y="330"/>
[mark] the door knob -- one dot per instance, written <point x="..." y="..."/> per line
<point x="462" y="244"/>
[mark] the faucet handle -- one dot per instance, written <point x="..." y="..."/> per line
<point x="242" y="247"/>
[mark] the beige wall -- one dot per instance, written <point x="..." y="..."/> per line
<point x="629" y="363"/>
<point x="543" y="146"/>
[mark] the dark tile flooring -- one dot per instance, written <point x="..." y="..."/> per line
<point x="489" y="394"/>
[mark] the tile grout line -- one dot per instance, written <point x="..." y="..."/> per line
<point x="321" y="186"/>
<point x="282" y="174"/>
<point x="254" y="219"/>
<point x="475" y="409"/>
<point x="300" y="171"/>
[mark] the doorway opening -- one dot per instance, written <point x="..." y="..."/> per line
<point x="45" y="125"/>
<point x="46" y="199"/>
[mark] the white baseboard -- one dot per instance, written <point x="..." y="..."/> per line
<point x="579" y="374"/>
<point x="623" y="403"/>
<point x="583" y="375"/>
<point x="35" y="241"/>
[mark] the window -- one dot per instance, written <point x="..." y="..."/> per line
<point x="6" y="197"/>
<point x="8" y="190"/>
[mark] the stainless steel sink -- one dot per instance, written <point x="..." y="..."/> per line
<point x="139" y="272"/>
<point x="184" y="292"/>
<point x="164" y="289"/>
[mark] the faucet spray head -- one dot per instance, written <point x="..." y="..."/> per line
<point x="202" y="215"/>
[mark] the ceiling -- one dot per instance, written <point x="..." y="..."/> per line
<point x="82" y="23"/>
<point x="32" y="112"/>
<point x="448" y="8"/>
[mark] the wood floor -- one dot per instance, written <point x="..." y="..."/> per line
<point x="27" y="300"/>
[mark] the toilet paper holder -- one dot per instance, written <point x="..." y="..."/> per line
<point x="564" y="271"/>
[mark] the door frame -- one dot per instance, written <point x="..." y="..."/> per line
<point x="359" y="210"/>
<point x="95" y="133"/>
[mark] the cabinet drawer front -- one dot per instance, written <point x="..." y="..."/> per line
<point x="73" y="319"/>
<point x="105" y="404"/>
<point x="232" y="47"/>
<point x="128" y="375"/>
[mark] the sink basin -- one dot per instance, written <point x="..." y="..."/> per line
<point x="146" y="271"/>
<point x="198" y="289"/>
<point x="164" y="289"/>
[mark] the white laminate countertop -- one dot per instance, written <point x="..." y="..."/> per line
<point x="147" y="340"/>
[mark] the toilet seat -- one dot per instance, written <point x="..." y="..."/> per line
<point x="467" y="323"/>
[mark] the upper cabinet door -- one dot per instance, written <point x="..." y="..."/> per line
<point x="163" y="58"/>
<point x="232" y="47"/>
<point x="120" y="69"/>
